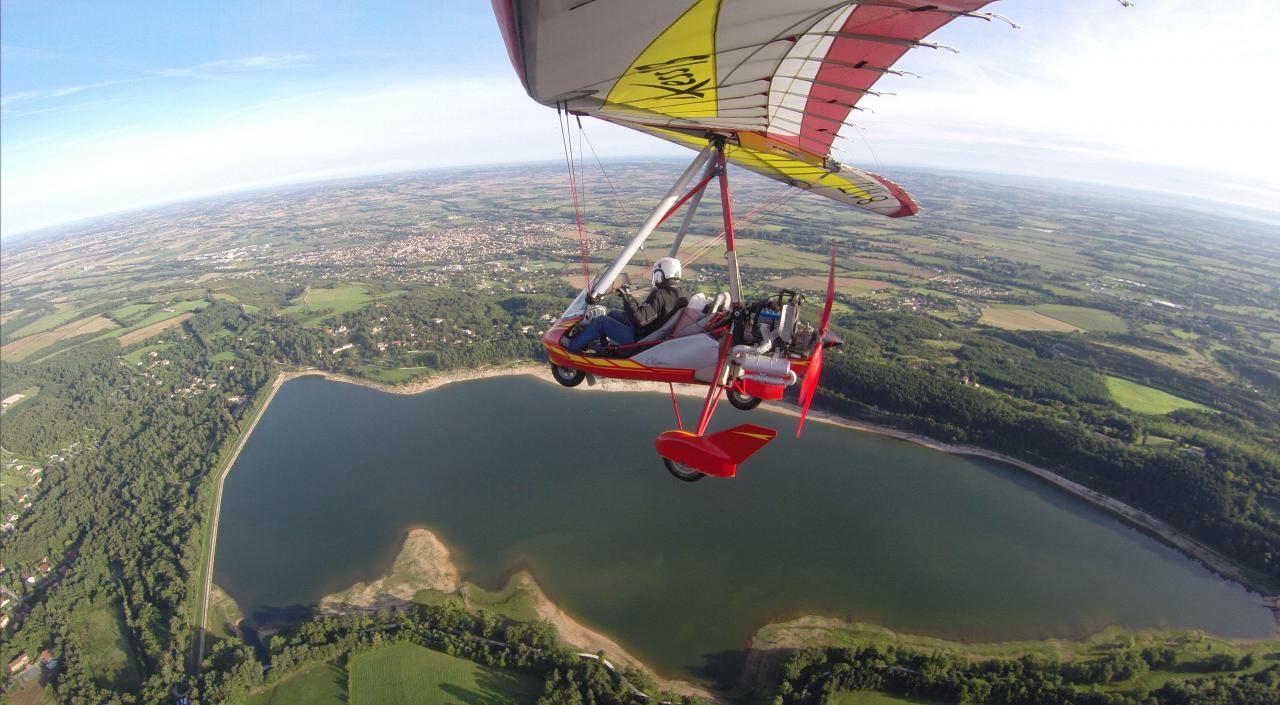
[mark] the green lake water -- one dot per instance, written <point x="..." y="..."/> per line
<point x="518" y="473"/>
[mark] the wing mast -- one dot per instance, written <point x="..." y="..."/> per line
<point x="659" y="214"/>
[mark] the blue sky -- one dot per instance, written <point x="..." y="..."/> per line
<point x="108" y="107"/>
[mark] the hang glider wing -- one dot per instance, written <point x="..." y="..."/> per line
<point x="776" y="79"/>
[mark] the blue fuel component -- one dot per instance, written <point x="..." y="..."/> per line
<point x="770" y="316"/>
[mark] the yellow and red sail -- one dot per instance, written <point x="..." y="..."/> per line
<point x="776" y="78"/>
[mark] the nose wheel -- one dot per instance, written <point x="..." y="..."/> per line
<point x="682" y="472"/>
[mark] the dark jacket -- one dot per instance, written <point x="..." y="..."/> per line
<point x="663" y="300"/>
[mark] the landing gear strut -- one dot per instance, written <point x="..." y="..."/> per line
<point x="745" y="402"/>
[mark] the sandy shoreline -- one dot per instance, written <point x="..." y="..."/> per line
<point x="425" y="563"/>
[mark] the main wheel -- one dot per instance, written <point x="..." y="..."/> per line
<point x="681" y="471"/>
<point x="746" y="402"/>
<point x="567" y="376"/>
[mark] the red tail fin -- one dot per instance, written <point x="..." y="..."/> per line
<point x="717" y="454"/>
<point x="741" y="442"/>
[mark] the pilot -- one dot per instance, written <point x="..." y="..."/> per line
<point x="635" y="320"/>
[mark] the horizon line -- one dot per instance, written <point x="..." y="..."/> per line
<point x="1254" y="213"/>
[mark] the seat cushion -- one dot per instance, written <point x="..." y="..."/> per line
<point x="679" y="319"/>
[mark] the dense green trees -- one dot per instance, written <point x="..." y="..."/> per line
<point x="570" y="679"/>
<point x="817" y="675"/>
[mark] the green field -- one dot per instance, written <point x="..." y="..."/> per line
<point x="515" y="601"/>
<point x="161" y="314"/>
<point x="408" y="674"/>
<point x="140" y="354"/>
<point x="872" y="697"/>
<point x="1052" y="317"/>
<point x="1145" y="400"/>
<point x="47" y="321"/>
<point x="130" y="310"/>
<point x="99" y="637"/>
<point x="394" y="375"/>
<point x="318" y="684"/>
<point x="315" y="305"/>
<point x="1090" y="319"/>
<point x="224" y="356"/>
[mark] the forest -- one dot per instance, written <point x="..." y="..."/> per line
<point x="232" y="671"/>
<point x="817" y="675"/>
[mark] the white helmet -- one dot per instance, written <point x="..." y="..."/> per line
<point x="665" y="269"/>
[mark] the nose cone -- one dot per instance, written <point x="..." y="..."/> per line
<point x="831" y="340"/>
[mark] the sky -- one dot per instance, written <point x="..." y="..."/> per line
<point x="107" y="107"/>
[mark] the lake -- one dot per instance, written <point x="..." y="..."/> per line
<point x="515" y="472"/>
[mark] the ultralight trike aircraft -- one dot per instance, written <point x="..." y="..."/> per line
<point x="765" y="85"/>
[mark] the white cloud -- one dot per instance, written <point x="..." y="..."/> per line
<point x="1099" y="92"/>
<point x="415" y="125"/>
<point x="1170" y="95"/>
<point x="209" y="69"/>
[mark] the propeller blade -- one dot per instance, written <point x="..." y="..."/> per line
<point x="831" y="294"/>
<point x="814" y="371"/>
<point x="810" y="384"/>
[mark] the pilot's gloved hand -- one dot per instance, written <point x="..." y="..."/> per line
<point x="624" y="291"/>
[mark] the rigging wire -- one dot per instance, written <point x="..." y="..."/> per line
<point x="566" y="139"/>
<point x="617" y="196"/>
<point x="775" y="201"/>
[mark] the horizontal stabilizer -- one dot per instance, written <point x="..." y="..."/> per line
<point x="717" y="454"/>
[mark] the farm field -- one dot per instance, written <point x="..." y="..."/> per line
<point x="47" y="321"/>
<point x="318" y="684"/>
<point x="817" y="285"/>
<point x="1090" y="319"/>
<point x="140" y="334"/>
<point x="23" y="347"/>
<point x="1023" y="319"/>
<point x="408" y="674"/>
<point x="130" y="310"/>
<point x="168" y="311"/>
<point x="1145" y="400"/>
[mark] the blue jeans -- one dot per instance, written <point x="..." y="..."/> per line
<point x="613" y="326"/>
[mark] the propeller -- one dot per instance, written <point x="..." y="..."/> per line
<point x="814" y="370"/>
